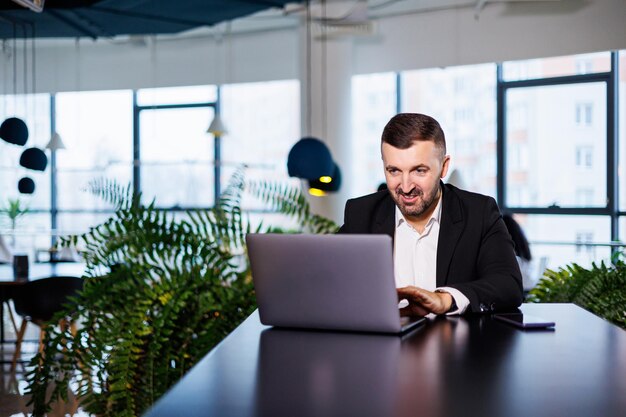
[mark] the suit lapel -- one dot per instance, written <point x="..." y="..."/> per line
<point x="450" y="229"/>
<point x="384" y="218"/>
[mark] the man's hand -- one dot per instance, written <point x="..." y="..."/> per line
<point x="423" y="302"/>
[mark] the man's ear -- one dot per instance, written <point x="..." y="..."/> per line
<point x="444" y="168"/>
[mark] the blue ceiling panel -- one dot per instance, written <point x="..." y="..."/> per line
<point x="106" y="18"/>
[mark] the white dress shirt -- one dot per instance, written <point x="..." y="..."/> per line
<point x="415" y="257"/>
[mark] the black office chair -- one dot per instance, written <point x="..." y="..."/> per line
<point x="38" y="301"/>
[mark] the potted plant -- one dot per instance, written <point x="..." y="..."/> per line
<point x="13" y="211"/>
<point x="159" y="293"/>
<point x="600" y="289"/>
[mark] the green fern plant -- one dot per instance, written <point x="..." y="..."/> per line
<point x="600" y="289"/>
<point x="157" y="296"/>
<point x="286" y="199"/>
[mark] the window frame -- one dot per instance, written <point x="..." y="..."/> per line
<point x="611" y="80"/>
<point x="137" y="109"/>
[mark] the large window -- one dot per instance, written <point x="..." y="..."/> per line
<point x="34" y="110"/>
<point x="176" y="154"/>
<point x="537" y="134"/>
<point x="557" y="240"/>
<point x="374" y="102"/>
<point x="263" y="122"/>
<point x="556" y="66"/>
<point x="462" y="99"/>
<point x="177" y="157"/>
<point x="546" y="142"/>
<point x="96" y="127"/>
<point x="155" y="139"/>
<point x="557" y="170"/>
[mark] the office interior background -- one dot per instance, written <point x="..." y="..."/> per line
<point x="531" y="96"/>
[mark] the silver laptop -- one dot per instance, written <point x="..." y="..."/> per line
<point x="330" y="282"/>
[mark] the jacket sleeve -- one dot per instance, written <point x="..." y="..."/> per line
<point x="345" y="228"/>
<point x="498" y="283"/>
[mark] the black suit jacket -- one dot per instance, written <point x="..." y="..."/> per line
<point x="474" y="254"/>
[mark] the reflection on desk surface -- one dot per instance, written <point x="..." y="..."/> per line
<point x="334" y="373"/>
<point x="308" y="373"/>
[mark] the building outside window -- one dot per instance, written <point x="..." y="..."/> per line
<point x="462" y="99"/>
<point x="552" y="181"/>
<point x="368" y="122"/>
<point x="584" y="114"/>
<point x="584" y="157"/>
<point x="584" y="197"/>
<point x="584" y="237"/>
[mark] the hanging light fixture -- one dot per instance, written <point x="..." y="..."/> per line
<point x="55" y="142"/>
<point x="34" y="158"/>
<point x="26" y="185"/>
<point x="326" y="184"/>
<point x="217" y="127"/>
<point x="14" y="130"/>
<point x="310" y="158"/>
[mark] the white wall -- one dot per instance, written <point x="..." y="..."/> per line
<point x="108" y="65"/>
<point x="503" y="31"/>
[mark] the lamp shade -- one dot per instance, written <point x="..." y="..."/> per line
<point x="34" y="158"/>
<point x="331" y="183"/>
<point x="55" y="142"/>
<point x="310" y="159"/>
<point x="26" y="185"/>
<point x="217" y="126"/>
<point x="14" y="130"/>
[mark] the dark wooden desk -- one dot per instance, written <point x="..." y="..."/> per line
<point x="469" y="366"/>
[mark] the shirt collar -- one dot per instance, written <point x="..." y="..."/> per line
<point x="434" y="217"/>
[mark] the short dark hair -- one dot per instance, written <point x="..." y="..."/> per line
<point x="405" y="128"/>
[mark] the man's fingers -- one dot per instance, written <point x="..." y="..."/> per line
<point x="421" y="302"/>
<point x="402" y="293"/>
<point x="413" y="310"/>
<point x="407" y="292"/>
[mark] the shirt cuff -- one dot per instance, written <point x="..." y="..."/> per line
<point x="462" y="302"/>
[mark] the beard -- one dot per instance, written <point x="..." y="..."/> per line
<point x="424" y="200"/>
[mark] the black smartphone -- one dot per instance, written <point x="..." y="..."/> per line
<point x="524" y="321"/>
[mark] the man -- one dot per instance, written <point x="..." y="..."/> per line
<point x="452" y="251"/>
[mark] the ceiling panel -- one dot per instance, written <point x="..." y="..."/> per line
<point x="106" y="18"/>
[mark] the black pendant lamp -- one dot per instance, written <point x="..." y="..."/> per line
<point x="14" y="130"/>
<point x="34" y="158"/>
<point x="310" y="159"/>
<point x="326" y="184"/>
<point x="26" y="186"/>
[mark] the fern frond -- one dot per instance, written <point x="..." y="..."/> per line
<point x="289" y="200"/>
<point x="600" y="289"/>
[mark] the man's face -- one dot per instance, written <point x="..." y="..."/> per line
<point x="413" y="175"/>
